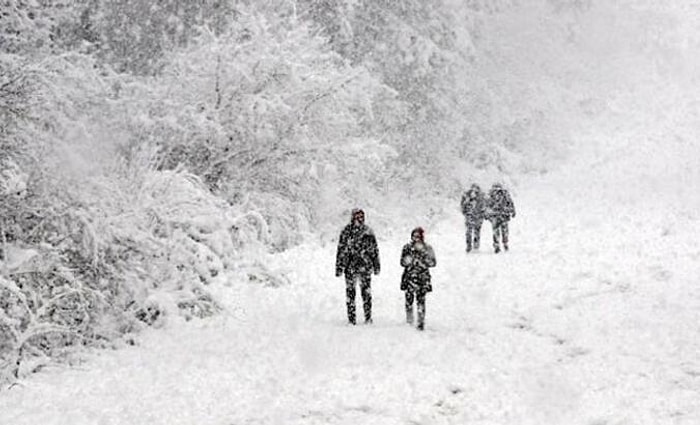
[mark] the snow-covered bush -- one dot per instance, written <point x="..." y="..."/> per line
<point x="108" y="256"/>
<point x="96" y="240"/>
<point x="125" y="196"/>
<point x="259" y="112"/>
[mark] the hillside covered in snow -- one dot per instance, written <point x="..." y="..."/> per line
<point x="174" y="178"/>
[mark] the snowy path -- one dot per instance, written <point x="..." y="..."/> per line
<point x="593" y="320"/>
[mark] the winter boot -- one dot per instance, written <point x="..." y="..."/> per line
<point x="421" y="317"/>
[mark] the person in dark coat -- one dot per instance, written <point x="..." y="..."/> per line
<point x="473" y="208"/>
<point x="416" y="259"/>
<point x="499" y="210"/>
<point x="357" y="258"/>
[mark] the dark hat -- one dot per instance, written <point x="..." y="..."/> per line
<point x="355" y="212"/>
<point x="420" y="231"/>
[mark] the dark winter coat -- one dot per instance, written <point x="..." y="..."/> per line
<point x="499" y="205"/>
<point x="473" y="205"/>
<point x="416" y="259"/>
<point x="357" y="251"/>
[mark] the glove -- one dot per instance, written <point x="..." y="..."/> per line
<point x="338" y="272"/>
<point x="513" y="215"/>
<point x="376" y="271"/>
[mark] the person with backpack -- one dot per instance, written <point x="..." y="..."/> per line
<point x="357" y="258"/>
<point x="473" y="207"/>
<point x="417" y="257"/>
<point x="499" y="210"/>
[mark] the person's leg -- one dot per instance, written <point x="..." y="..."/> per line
<point x="477" y="233"/>
<point x="470" y="235"/>
<point x="420" y="301"/>
<point x="504" y="233"/>
<point x="366" y="291"/>
<point x="467" y="235"/>
<point x="496" y="226"/>
<point x="409" y="306"/>
<point x="350" y="297"/>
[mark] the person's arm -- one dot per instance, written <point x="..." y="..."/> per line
<point x="488" y="208"/>
<point x="341" y="253"/>
<point x="406" y="257"/>
<point x="422" y="256"/>
<point x="376" y="266"/>
<point x="511" y="206"/>
<point x="430" y="260"/>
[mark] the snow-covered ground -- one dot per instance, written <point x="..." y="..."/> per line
<point x="592" y="318"/>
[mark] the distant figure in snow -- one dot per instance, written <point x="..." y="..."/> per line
<point x="416" y="259"/>
<point x="473" y="207"/>
<point x="357" y="257"/>
<point x="499" y="210"/>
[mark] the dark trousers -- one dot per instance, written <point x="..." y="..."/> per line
<point x="473" y="233"/>
<point x="419" y="296"/>
<point x="500" y="232"/>
<point x="366" y="291"/>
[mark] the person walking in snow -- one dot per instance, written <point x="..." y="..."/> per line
<point x="416" y="258"/>
<point x="473" y="207"/>
<point x="499" y="210"/>
<point x="357" y="258"/>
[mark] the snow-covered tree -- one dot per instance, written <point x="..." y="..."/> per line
<point x="262" y="112"/>
<point x="133" y="35"/>
<point x="125" y="195"/>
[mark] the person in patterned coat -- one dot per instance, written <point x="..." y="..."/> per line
<point x="417" y="257"/>
<point x="357" y="258"/>
<point x="473" y="208"/>
<point x="499" y="210"/>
